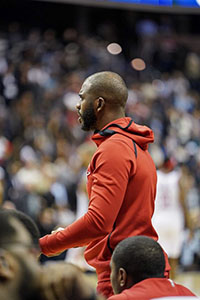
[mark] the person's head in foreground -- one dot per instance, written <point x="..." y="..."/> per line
<point x="135" y="259"/>
<point x="19" y="269"/>
<point x="28" y="223"/>
<point x="62" y="280"/>
<point x="103" y="98"/>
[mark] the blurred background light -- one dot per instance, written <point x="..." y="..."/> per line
<point x="138" y="64"/>
<point x="114" y="48"/>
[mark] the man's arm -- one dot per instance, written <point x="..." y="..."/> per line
<point x="110" y="177"/>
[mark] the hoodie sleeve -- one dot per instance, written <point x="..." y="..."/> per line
<point x="114" y="164"/>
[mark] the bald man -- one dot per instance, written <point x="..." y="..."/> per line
<point x="121" y="179"/>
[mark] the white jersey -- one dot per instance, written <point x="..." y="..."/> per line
<point x="167" y="196"/>
<point x="168" y="218"/>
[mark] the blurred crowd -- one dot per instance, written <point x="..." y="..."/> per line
<point x="43" y="152"/>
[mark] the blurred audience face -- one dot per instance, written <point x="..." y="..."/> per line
<point x="19" y="269"/>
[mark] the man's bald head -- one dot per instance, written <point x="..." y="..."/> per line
<point x="103" y="98"/>
<point x="110" y="86"/>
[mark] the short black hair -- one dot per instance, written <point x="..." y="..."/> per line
<point x="141" y="257"/>
<point x="26" y="220"/>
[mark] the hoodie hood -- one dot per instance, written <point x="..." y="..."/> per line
<point x="142" y="135"/>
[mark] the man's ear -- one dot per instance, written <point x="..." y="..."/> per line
<point x="100" y="102"/>
<point x="6" y="270"/>
<point x="122" y="277"/>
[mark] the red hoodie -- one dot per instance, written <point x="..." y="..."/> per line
<point x="153" y="288"/>
<point x="121" y="188"/>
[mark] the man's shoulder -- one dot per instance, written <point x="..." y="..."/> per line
<point x="117" y="141"/>
<point x="121" y="296"/>
<point x="151" y="288"/>
<point x="162" y="287"/>
<point x="184" y="290"/>
<point x="177" y="298"/>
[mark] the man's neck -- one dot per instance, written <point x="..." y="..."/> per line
<point x="109" y="117"/>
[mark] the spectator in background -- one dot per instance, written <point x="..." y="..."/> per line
<point x="137" y="271"/>
<point x="170" y="210"/>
